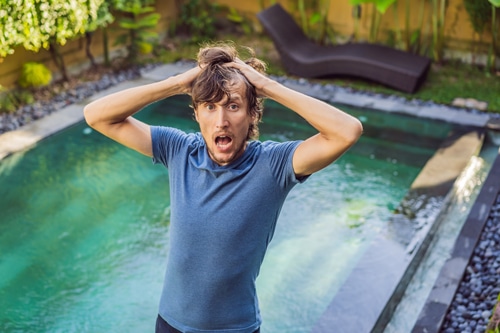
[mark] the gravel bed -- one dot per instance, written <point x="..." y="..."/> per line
<point x="477" y="293"/>
<point x="37" y="110"/>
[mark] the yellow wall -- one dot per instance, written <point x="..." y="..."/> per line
<point x="459" y="34"/>
<point x="73" y="51"/>
<point x="458" y="30"/>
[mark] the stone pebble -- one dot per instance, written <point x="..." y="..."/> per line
<point x="478" y="290"/>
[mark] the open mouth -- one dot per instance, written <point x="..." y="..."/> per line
<point x="223" y="141"/>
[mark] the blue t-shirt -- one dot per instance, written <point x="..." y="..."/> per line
<point x="222" y="220"/>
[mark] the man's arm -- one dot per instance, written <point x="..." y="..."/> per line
<point x="112" y="115"/>
<point x="337" y="130"/>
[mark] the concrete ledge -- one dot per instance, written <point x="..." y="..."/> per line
<point x="30" y="134"/>
<point x="164" y="71"/>
<point x="366" y="301"/>
<point x="447" y="163"/>
<point x="432" y="316"/>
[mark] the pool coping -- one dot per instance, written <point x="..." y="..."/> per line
<point x="432" y="315"/>
<point x="29" y="135"/>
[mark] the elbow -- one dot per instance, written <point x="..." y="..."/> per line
<point x="356" y="130"/>
<point x="89" y="116"/>
<point x="359" y="129"/>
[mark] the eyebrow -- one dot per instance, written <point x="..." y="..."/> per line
<point x="236" y="98"/>
<point x="232" y="98"/>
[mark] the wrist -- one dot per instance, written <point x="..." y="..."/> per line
<point x="269" y="87"/>
<point x="173" y="85"/>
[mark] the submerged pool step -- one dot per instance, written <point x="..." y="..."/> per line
<point x="366" y="301"/>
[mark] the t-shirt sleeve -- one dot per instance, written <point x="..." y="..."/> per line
<point x="167" y="142"/>
<point x="280" y="159"/>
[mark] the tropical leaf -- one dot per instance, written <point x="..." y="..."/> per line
<point x="144" y="35"/>
<point x="127" y="23"/>
<point x="122" y="39"/>
<point x="315" y="18"/>
<point x="149" y="21"/>
<point x="234" y="16"/>
<point x="144" y="47"/>
<point x="381" y="5"/>
<point x="495" y="3"/>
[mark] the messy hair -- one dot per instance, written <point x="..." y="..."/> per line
<point x="215" y="80"/>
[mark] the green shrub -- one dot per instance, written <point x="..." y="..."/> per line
<point x="235" y="17"/>
<point x="23" y="97"/>
<point x="11" y="100"/>
<point x="197" y="17"/>
<point x="494" y="324"/>
<point x="34" y="75"/>
<point x="7" y="104"/>
<point x="139" y="19"/>
<point x="479" y="14"/>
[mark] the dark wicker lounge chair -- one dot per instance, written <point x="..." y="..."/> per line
<point x="302" y="57"/>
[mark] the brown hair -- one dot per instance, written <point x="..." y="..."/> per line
<point x="215" y="80"/>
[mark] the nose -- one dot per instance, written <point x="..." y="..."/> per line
<point x="221" y="118"/>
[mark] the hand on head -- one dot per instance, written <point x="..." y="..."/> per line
<point x="226" y="54"/>
<point x="186" y="79"/>
<point x="257" y="79"/>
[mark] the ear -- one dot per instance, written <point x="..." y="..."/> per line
<point x="253" y="116"/>
<point x="196" y="115"/>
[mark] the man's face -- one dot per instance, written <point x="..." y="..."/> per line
<point x="224" y="125"/>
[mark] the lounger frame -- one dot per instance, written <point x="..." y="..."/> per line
<point x="302" y="57"/>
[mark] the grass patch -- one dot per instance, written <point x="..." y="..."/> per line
<point x="454" y="79"/>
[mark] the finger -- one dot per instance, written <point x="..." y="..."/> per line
<point x="236" y="63"/>
<point x="239" y="61"/>
<point x="233" y="64"/>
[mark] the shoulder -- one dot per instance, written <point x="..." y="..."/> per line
<point x="274" y="147"/>
<point x="279" y="158"/>
<point x="279" y="154"/>
<point x="169" y="142"/>
<point x="164" y="133"/>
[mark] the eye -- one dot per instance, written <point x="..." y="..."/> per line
<point x="233" y="107"/>
<point x="209" y="106"/>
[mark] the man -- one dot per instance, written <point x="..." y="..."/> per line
<point x="226" y="190"/>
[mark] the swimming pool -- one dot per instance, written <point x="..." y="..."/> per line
<point x="84" y="226"/>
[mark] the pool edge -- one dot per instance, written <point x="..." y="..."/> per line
<point x="378" y="282"/>
<point x="432" y="315"/>
<point x="28" y="135"/>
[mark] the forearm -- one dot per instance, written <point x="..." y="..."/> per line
<point x="331" y="123"/>
<point x="117" y="107"/>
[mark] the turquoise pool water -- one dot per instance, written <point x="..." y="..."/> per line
<point x="84" y="224"/>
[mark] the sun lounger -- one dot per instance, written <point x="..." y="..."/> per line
<point x="300" y="56"/>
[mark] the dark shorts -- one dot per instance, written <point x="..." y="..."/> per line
<point x="163" y="327"/>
